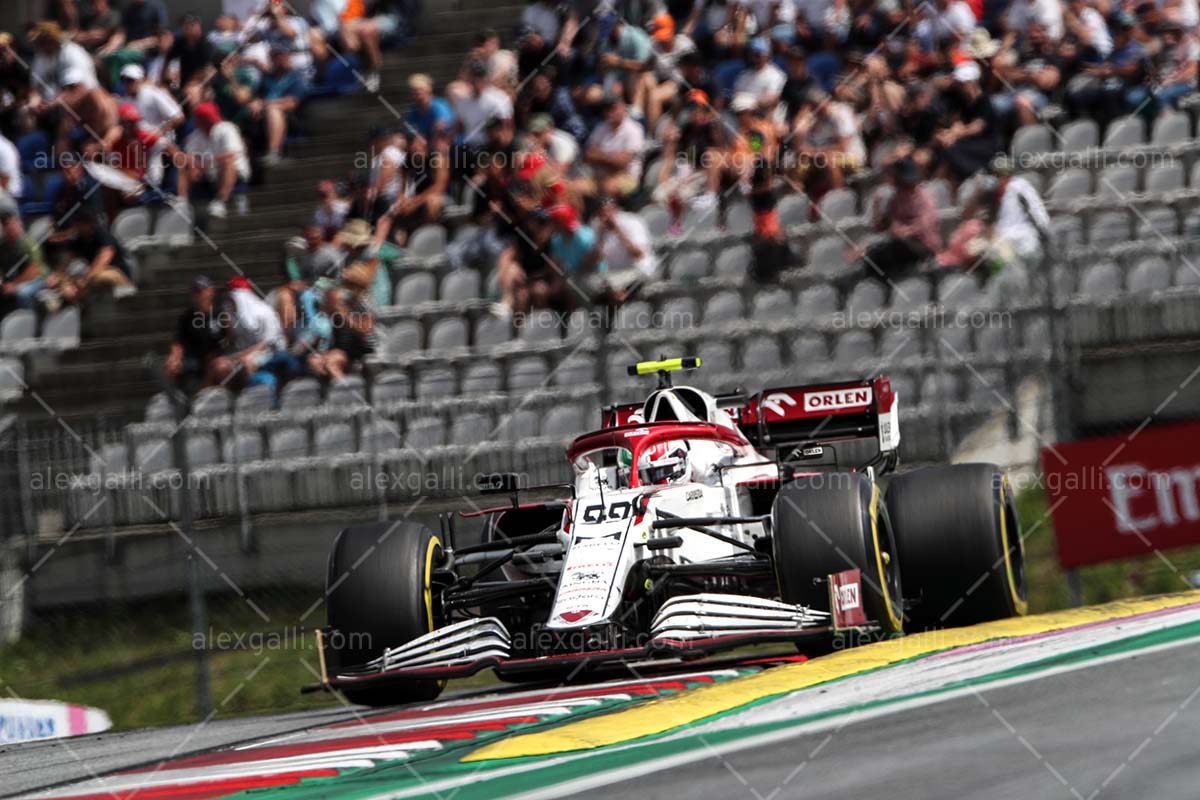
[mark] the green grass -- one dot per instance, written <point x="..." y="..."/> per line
<point x="146" y="647"/>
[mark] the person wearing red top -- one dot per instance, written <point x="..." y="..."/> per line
<point x="137" y="153"/>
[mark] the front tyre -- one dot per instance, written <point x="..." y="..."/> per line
<point x="960" y="544"/>
<point x="830" y="522"/>
<point x="378" y="595"/>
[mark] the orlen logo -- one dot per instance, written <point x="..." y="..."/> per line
<point x="1144" y="499"/>
<point x="775" y="402"/>
<point x="848" y="596"/>
<point x="837" y="399"/>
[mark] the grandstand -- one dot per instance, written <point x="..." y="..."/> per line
<point x="457" y="383"/>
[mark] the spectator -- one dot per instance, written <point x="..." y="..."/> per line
<point x="544" y="19"/>
<point x="971" y="138"/>
<point x="627" y="248"/>
<point x="99" y="27"/>
<point x="346" y="25"/>
<point x="11" y="180"/>
<point x="525" y="274"/>
<point x="669" y="48"/>
<point x="1176" y="65"/>
<point x="197" y="338"/>
<point x="352" y="335"/>
<point x="1046" y="13"/>
<point x="331" y="210"/>
<point x="387" y="164"/>
<point x="308" y="259"/>
<point x="946" y="19"/>
<point x="829" y="143"/>
<point x="138" y="152"/>
<point x="80" y="192"/>
<point x="189" y="61"/>
<point x="281" y="94"/>
<point x="94" y="260"/>
<point x="481" y="103"/>
<point x="575" y="251"/>
<point x="542" y="96"/>
<point x="624" y="61"/>
<point x="21" y="261"/>
<point x="1029" y="78"/>
<point x="218" y="166"/>
<point x="559" y="146"/>
<point x="427" y="113"/>
<point x="1088" y="27"/>
<point x="908" y="217"/>
<point x="761" y="79"/>
<point x="138" y="37"/>
<point x="502" y="64"/>
<point x="254" y="349"/>
<point x="55" y="59"/>
<point x="425" y="179"/>
<point x="799" y="82"/>
<point x="614" y="150"/>
<point x="1110" y="88"/>
<point x="159" y="111"/>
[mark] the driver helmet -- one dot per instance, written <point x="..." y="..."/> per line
<point x="663" y="463"/>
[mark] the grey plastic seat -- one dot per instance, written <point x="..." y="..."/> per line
<point x="1079" y="135"/>
<point x="678" y="313"/>
<point x="1066" y="232"/>
<point x="1032" y="140"/>
<point x="111" y="458"/>
<point x="853" y="347"/>
<point x="950" y="343"/>
<point x="793" y="210"/>
<point x="985" y="388"/>
<point x="809" y="350"/>
<point x="837" y="205"/>
<point x="761" y="355"/>
<point x="460" y="285"/>
<point x="130" y="225"/>
<point x="471" y="428"/>
<point x="481" y="377"/>
<point x="1071" y="184"/>
<point x="527" y="372"/>
<point x="992" y="341"/>
<point x="1125" y="131"/>
<point x="1164" y="178"/>
<point x="564" y="421"/>
<point x="12" y="378"/>
<point x="910" y="293"/>
<point x="867" y="295"/>
<point x="959" y="291"/>
<point x="1156" y="222"/>
<point x="817" y="301"/>
<point x="152" y="455"/>
<point x="288" y="442"/>
<point x="657" y="220"/>
<point x="542" y="325"/>
<point x="243" y="447"/>
<point x="739" y="218"/>
<point x="17" y="325"/>
<point x="1062" y="279"/>
<point x="576" y="369"/>
<point x="159" y="409"/>
<point x="402" y="337"/>
<point x="722" y="307"/>
<point x="174" y="226"/>
<point x="390" y="387"/>
<point x="492" y="330"/>
<point x="897" y="345"/>
<point x="689" y="265"/>
<point x="62" y="325"/>
<point x="1149" y="275"/>
<point x="415" y="287"/>
<point x="1117" y="182"/>
<point x="427" y="240"/>
<point x="827" y="257"/>
<point x="904" y="387"/>
<point x="733" y="262"/>
<point x="1171" y="127"/>
<point x="213" y="401"/>
<point x="201" y="449"/>
<point x="879" y="197"/>
<point x="448" y="333"/>
<point x="966" y="190"/>
<point x="1109" y="228"/>
<point x="940" y="387"/>
<point x="633" y="316"/>
<point x="351" y="391"/>
<point x="334" y="439"/>
<point x="300" y="394"/>
<point x="424" y="433"/>
<point x="253" y="400"/>
<point x="716" y="357"/>
<point x="380" y="435"/>
<point x="939" y="190"/>
<point x="1186" y="274"/>
<point x="1034" y="179"/>
<point x="773" y="305"/>
<point x="435" y="383"/>
<point x="516" y="425"/>
<point x="1101" y="281"/>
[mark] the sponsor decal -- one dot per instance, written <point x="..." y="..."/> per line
<point x="837" y="399"/>
<point x="775" y="402"/>
<point x="575" y="616"/>
<point x="694" y="494"/>
<point x="27" y="720"/>
<point x="845" y="599"/>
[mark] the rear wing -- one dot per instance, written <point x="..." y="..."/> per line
<point x="797" y="415"/>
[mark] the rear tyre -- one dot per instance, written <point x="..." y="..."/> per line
<point x="831" y="522"/>
<point x="960" y="544"/>
<point x="377" y="595"/>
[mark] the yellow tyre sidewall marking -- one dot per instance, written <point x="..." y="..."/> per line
<point x="895" y="620"/>
<point x="1021" y="605"/>
<point x="662" y="715"/>
<point x="434" y="544"/>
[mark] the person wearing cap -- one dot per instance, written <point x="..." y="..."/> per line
<point x="159" y="111"/>
<point x="542" y="18"/>
<point x="278" y="27"/>
<point x="188" y="59"/>
<point x="970" y="134"/>
<point x="761" y="79"/>
<point x="1028" y="77"/>
<point x="55" y="58"/>
<point x="218" y="165"/>
<point x="332" y="208"/>
<point x="828" y="140"/>
<point x="559" y="146"/>
<point x="22" y="269"/>
<point x="93" y="260"/>
<point x="799" y="80"/>
<point x="280" y="94"/>
<point x="540" y="95"/>
<point x="137" y="151"/>
<point x="697" y="139"/>
<point x="574" y="246"/>
<point x="614" y="151"/>
<point x="197" y="338"/>
<point x="624" y="59"/>
<point x="1176" y="64"/>
<point x="481" y="102"/>
<point x="254" y="349"/>
<point x="1116" y="85"/>
<point x="427" y="113"/>
<point x="669" y="48"/>
<point x="908" y="217"/>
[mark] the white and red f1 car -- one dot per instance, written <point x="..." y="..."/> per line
<point x="695" y="523"/>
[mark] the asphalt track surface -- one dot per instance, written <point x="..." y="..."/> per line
<point x="1123" y="729"/>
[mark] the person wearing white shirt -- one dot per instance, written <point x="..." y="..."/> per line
<point x="614" y="151"/>
<point x="627" y="247"/>
<point x="54" y="57"/>
<point x="1047" y="13"/>
<point x="560" y="146"/>
<point x="542" y="16"/>
<point x="1089" y="26"/>
<point x="483" y="102"/>
<point x="953" y="20"/>
<point x="11" y="180"/>
<point x="159" y="111"/>
<point x="761" y="79"/>
<point x="1017" y="222"/>
<point x="219" y="159"/>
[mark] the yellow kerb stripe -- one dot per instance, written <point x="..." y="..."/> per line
<point x="660" y="716"/>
